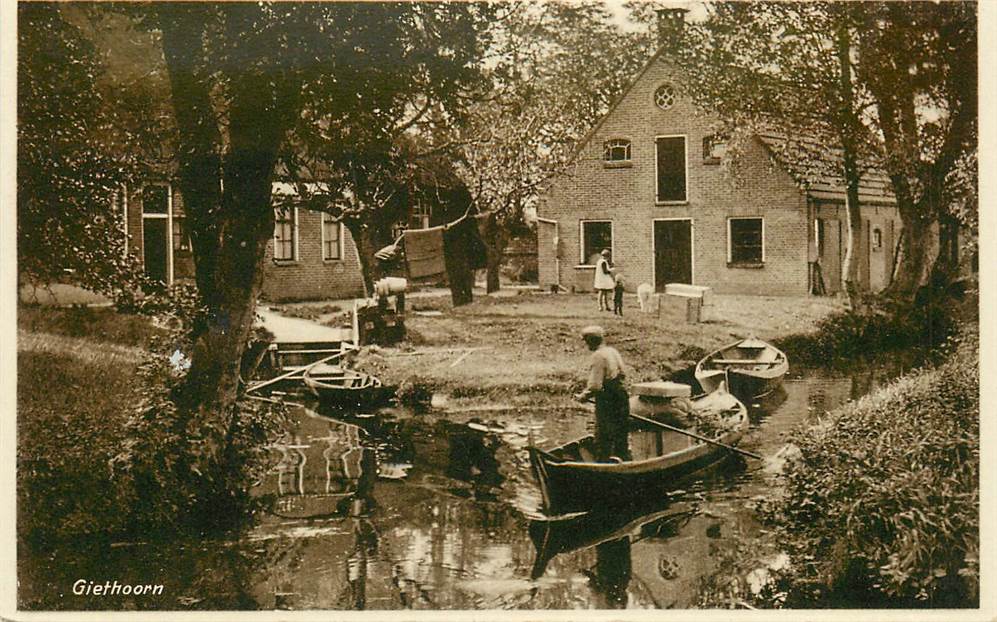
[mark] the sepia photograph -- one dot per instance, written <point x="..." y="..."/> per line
<point x="494" y="305"/>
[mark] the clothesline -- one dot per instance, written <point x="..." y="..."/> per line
<point x="444" y="226"/>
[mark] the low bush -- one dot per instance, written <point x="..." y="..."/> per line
<point x="192" y="470"/>
<point x="885" y="325"/>
<point x="103" y="450"/>
<point x="882" y="508"/>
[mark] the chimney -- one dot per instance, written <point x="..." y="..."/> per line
<point x="671" y="22"/>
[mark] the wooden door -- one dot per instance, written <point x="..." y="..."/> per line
<point x="672" y="252"/>
<point x="154" y="247"/>
<point x="830" y="254"/>
<point x="878" y="257"/>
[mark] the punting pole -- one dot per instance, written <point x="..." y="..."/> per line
<point x="697" y="436"/>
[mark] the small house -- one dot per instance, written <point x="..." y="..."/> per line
<point x="648" y="185"/>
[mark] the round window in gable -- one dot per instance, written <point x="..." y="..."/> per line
<point x="664" y="97"/>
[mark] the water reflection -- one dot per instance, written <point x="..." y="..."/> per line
<point x="322" y="467"/>
<point x="416" y="512"/>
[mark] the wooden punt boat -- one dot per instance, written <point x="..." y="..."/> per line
<point x="339" y="387"/>
<point x="754" y="368"/>
<point x="571" y="481"/>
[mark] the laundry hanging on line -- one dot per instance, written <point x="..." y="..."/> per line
<point x="424" y="248"/>
<point x="424" y="252"/>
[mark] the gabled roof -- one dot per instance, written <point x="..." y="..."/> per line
<point x="815" y="175"/>
<point x="816" y="170"/>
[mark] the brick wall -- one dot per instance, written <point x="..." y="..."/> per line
<point x="309" y="277"/>
<point x="626" y="195"/>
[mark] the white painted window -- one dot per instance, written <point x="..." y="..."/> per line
<point x="181" y="234"/>
<point x="285" y="233"/>
<point x="745" y="241"/>
<point x="714" y="149"/>
<point x="332" y="238"/>
<point x="596" y="236"/>
<point x="155" y="200"/>
<point x="616" y="150"/>
<point x="664" y="96"/>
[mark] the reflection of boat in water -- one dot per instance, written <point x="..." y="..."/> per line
<point x="570" y="480"/>
<point x="754" y="368"/>
<point x="611" y="533"/>
<point x="321" y="471"/>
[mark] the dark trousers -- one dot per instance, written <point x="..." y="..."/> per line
<point x="618" y="302"/>
<point x="612" y="421"/>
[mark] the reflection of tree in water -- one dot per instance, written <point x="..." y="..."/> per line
<point x="612" y="574"/>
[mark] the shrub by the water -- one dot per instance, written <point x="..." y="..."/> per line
<point x="882" y="508"/>
<point x="885" y="325"/>
<point x="178" y="478"/>
<point x="103" y="451"/>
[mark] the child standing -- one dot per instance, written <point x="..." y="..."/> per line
<point x="618" y="294"/>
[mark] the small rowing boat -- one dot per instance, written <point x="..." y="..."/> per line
<point x="754" y="367"/>
<point x="340" y="387"/>
<point x="571" y="480"/>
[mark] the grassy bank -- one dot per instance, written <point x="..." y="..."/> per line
<point x="71" y="418"/>
<point x="102" y="324"/>
<point x="881" y="506"/>
<point x="75" y="377"/>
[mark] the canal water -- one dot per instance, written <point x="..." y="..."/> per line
<point x="438" y="511"/>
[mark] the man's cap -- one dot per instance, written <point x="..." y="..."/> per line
<point x="593" y="331"/>
<point x="605" y="252"/>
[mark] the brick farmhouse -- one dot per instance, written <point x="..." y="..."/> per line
<point x="648" y="185"/>
<point x="311" y="256"/>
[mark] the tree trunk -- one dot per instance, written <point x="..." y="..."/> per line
<point x="233" y="231"/>
<point x="916" y="252"/>
<point x="366" y="247"/>
<point x="849" y="128"/>
<point x="496" y="241"/>
<point x="199" y="137"/>
<point x="946" y="266"/>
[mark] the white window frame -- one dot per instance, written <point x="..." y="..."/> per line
<point x="657" y="189"/>
<point x="581" y="240"/>
<point x="294" y="239"/>
<point x="123" y="190"/>
<point x="710" y="143"/>
<point x="654" y="96"/>
<point x="619" y="142"/>
<point x="730" y="241"/>
<point x="322" y="223"/>
<point x="692" y="249"/>
<point x="169" y="226"/>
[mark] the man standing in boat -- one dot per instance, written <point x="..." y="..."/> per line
<point x="612" y="406"/>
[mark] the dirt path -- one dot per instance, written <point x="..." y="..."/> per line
<point x="526" y="349"/>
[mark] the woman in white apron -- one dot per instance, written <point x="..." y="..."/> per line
<point x="604" y="282"/>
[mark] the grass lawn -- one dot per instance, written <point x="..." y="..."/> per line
<point x="75" y="386"/>
<point x="530" y="346"/>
